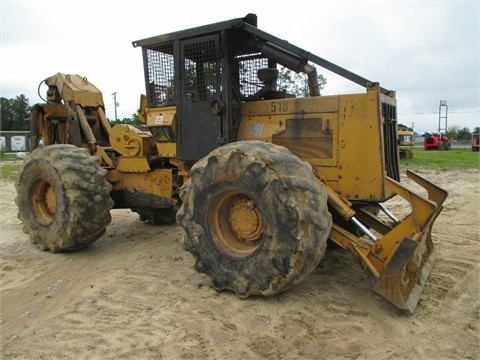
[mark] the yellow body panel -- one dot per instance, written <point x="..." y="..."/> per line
<point x="162" y="122"/>
<point x="133" y="164"/>
<point x="331" y="133"/>
<point x="155" y="184"/>
<point x="168" y="150"/>
<point x="131" y="141"/>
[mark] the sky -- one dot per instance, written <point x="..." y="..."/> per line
<point x="427" y="51"/>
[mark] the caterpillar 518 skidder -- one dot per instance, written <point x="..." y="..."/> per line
<point x="259" y="179"/>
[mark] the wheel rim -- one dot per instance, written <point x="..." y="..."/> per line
<point x="43" y="202"/>
<point x="236" y="224"/>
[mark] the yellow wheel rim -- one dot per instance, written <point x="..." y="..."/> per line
<point x="236" y="224"/>
<point x="43" y="202"/>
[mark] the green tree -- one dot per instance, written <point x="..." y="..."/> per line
<point x="134" y="120"/>
<point x="453" y="132"/>
<point x="464" y="134"/>
<point x="297" y="84"/>
<point x="15" y="114"/>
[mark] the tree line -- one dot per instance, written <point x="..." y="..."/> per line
<point x="458" y="133"/>
<point x="15" y="114"/>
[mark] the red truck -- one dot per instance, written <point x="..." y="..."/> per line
<point x="436" y="141"/>
<point x="475" y="141"/>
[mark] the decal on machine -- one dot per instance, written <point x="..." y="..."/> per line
<point x="256" y="130"/>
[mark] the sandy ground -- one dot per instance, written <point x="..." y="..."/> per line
<point x="134" y="294"/>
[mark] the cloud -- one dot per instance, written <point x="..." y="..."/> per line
<point x="425" y="50"/>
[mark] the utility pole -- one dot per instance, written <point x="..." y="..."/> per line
<point x="115" y="104"/>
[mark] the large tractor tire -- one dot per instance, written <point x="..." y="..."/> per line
<point x="255" y="218"/>
<point x="63" y="198"/>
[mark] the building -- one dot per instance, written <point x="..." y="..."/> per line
<point x="15" y="141"/>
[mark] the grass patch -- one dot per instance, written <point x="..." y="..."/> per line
<point x="9" y="157"/>
<point x="9" y="166"/>
<point x="9" y="171"/>
<point x="455" y="159"/>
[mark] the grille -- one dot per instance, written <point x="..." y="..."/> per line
<point x="201" y="71"/>
<point x="247" y="67"/>
<point x="389" y="113"/>
<point x="161" y="75"/>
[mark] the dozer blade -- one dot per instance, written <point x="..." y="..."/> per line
<point x="411" y="258"/>
<point x="402" y="281"/>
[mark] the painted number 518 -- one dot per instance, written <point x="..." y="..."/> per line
<point x="278" y="106"/>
